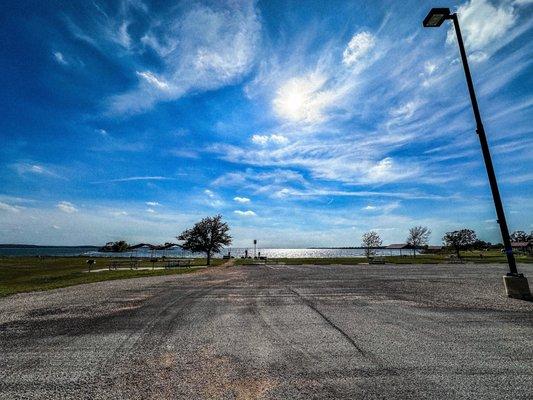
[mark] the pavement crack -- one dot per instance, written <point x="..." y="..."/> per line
<point x="329" y="322"/>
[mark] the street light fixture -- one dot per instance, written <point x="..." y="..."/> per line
<point x="436" y="17"/>
<point x="516" y="284"/>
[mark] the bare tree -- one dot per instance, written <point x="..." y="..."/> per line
<point x="460" y="240"/>
<point x="418" y="237"/>
<point x="519" y="236"/>
<point x="207" y="236"/>
<point x="371" y="240"/>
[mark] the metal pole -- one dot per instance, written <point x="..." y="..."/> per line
<point x="486" y="153"/>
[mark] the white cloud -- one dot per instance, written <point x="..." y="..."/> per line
<point x="260" y="139"/>
<point x="383" y="208"/>
<point x="248" y="213"/>
<point x="184" y="153"/>
<point x="8" y="207"/>
<point x="518" y="179"/>
<point x="430" y="67"/>
<point x="265" y="139"/>
<point x="24" y="168"/>
<point x="137" y="178"/>
<point x="119" y="213"/>
<point x="204" y="48"/>
<point x="478" y="56"/>
<point x="406" y="110"/>
<point x="66" y="207"/>
<point x="58" y="56"/>
<point x="153" y="80"/>
<point x="261" y="182"/>
<point x="349" y="159"/>
<point x="359" y="46"/>
<point x="150" y="210"/>
<point x="102" y="132"/>
<point x="304" y="99"/>
<point x="483" y="23"/>
<point x="122" y="36"/>
<point x="278" y="139"/>
<point x="242" y="200"/>
<point x="214" y="199"/>
<point x="152" y="203"/>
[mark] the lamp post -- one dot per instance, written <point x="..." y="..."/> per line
<point x="516" y="284"/>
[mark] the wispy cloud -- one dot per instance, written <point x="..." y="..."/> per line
<point x="29" y="168"/>
<point x="483" y="24"/>
<point x="242" y="200"/>
<point x="138" y="178"/>
<point x="8" y="207"/>
<point x="247" y="213"/>
<point x="358" y="46"/>
<point x="66" y="207"/>
<point x="203" y="48"/>
<point x="59" y="57"/>
<point x="518" y="178"/>
<point x="382" y="208"/>
<point x="213" y="199"/>
<point x="266" y="139"/>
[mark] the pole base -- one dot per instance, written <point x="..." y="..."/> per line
<point x="517" y="287"/>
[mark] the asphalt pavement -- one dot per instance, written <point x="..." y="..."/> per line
<point x="274" y="332"/>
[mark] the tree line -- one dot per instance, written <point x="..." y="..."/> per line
<point x="211" y="234"/>
<point x="462" y="239"/>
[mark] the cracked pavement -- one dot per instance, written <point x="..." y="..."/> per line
<point x="273" y="331"/>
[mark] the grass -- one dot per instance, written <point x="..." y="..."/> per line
<point x="491" y="256"/>
<point x="28" y="274"/>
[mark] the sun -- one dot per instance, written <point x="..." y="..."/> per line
<point x="299" y="99"/>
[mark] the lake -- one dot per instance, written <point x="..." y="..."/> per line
<point x="236" y="252"/>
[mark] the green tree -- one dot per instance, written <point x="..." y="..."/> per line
<point x="460" y="240"/>
<point x="117" y="247"/>
<point x="207" y="236"/>
<point x="519" y="236"/>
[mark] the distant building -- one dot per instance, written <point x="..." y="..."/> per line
<point x="398" y="246"/>
<point x="433" y="249"/>
<point x="526" y="247"/>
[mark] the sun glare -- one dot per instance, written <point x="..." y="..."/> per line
<point x="300" y="99"/>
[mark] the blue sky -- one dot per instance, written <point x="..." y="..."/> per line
<point x="302" y="123"/>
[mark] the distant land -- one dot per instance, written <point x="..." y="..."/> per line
<point x="30" y="246"/>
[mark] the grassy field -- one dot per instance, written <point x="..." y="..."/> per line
<point x="492" y="256"/>
<point x="27" y="274"/>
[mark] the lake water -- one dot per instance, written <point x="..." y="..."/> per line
<point x="236" y="252"/>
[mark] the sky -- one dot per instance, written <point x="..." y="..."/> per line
<point x="302" y="123"/>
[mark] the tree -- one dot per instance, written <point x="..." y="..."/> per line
<point x="370" y="240"/>
<point x="207" y="236"/>
<point x="418" y="237"/>
<point x="481" y="245"/>
<point x="117" y="247"/>
<point x="460" y="240"/>
<point x="519" y="236"/>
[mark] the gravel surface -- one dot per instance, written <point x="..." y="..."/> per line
<point x="274" y="331"/>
